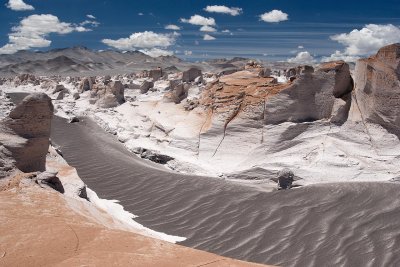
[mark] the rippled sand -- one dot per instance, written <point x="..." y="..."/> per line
<point x="352" y="224"/>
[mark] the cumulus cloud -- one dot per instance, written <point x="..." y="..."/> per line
<point x="147" y="39"/>
<point x="188" y="53"/>
<point x="207" y="29"/>
<point x="340" y="56"/>
<point x="208" y="37"/>
<point x="172" y="27"/>
<point x="302" y="58"/>
<point x="233" y="11"/>
<point x="274" y="16"/>
<point x="368" y="40"/>
<point x="32" y="32"/>
<point x="199" y="20"/>
<point x="90" y="16"/>
<point x="300" y="47"/>
<point x="19" y="5"/>
<point x="156" y="52"/>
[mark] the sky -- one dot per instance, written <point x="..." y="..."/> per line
<point x="275" y="30"/>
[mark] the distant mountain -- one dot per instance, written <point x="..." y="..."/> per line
<point x="81" y="61"/>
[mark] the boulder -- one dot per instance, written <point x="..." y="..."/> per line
<point x="177" y="94"/>
<point x="86" y="84"/>
<point x="265" y="73"/>
<point x="30" y="122"/>
<point x="108" y="96"/>
<point x="191" y="74"/>
<point x="76" y="96"/>
<point x="285" y="179"/>
<point x="156" y="74"/>
<point x="376" y="97"/>
<point x="145" y="87"/>
<point x="59" y="88"/>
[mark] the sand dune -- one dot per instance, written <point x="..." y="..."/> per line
<point x="345" y="224"/>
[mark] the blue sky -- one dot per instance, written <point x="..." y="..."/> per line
<point x="309" y="26"/>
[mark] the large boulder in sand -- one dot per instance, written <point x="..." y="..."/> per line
<point x="377" y="89"/>
<point x="323" y="94"/>
<point x="191" y="74"/>
<point x="28" y="132"/>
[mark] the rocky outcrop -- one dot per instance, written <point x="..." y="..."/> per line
<point x="323" y="94"/>
<point x="377" y="89"/>
<point x="26" y="132"/>
<point x="110" y="95"/>
<point x="191" y="74"/>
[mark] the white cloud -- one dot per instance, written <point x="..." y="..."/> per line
<point x="207" y="29"/>
<point x="140" y="14"/>
<point x="368" y="40"/>
<point x="19" y="5"/>
<point x="302" y="58"/>
<point x="172" y="27"/>
<point x="89" y="22"/>
<point x="208" y="37"/>
<point x="300" y="47"/>
<point x="156" y="52"/>
<point x="226" y="31"/>
<point x="147" y="39"/>
<point x="274" y="16"/>
<point x="188" y="53"/>
<point x="33" y="31"/>
<point x="199" y="20"/>
<point x="90" y="16"/>
<point x="233" y="11"/>
<point x="82" y="29"/>
<point x="340" y="56"/>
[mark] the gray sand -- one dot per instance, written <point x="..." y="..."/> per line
<point x="352" y="224"/>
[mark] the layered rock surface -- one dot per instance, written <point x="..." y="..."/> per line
<point x="377" y="89"/>
<point x="26" y="132"/>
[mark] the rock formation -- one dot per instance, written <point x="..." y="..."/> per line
<point x="86" y="84"/>
<point x="323" y="94"/>
<point x="26" y="132"/>
<point x="110" y="95"/>
<point x="377" y="89"/>
<point x="145" y="86"/>
<point x="191" y="74"/>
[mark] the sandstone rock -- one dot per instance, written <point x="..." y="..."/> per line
<point x="110" y="95"/>
<point x="312" y="96"/>
<point x="177" y="94"/>
<point x="59" y="88"/>
<point x="49" y="179"/>
<point x="285" y="179"/>
<point x="86" y="84"/>
<point x="265" y="73"/>
<point x="30" y="121"/>
<point x="117" y="89"/>
<point x="191" y="74"/>
<point x="377" y="89"/>
<point x="145" y="87"/>
<point x="60" y="95"/>
<point x="156" y="74"/>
